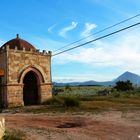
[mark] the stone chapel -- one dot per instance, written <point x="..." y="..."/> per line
<point x="25" y="74"/>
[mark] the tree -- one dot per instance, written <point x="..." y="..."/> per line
<point x="123" y="85"/>
<point x="67" y="87"/>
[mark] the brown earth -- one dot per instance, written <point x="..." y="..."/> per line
<point x="112" y="125"/>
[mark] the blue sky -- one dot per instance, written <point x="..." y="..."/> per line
<point x="51" y="24"/>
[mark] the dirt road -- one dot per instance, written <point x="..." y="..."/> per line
<point x="113" y="125"/>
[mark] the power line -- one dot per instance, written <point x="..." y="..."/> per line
<point x="97" y="38"/>
<point x="98" y="32"/>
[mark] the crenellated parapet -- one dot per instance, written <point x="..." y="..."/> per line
<point x="24" y="50"/>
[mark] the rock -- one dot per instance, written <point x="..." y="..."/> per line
<point x="2" y="128"/>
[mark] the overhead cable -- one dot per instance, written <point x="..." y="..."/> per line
<point x="120" y="30"/>
<point x="123" y="21"/>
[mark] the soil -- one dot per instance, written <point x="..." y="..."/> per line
<point x="111" y="125"/>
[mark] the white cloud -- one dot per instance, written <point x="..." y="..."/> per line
<point x="51" y="28"/>
<point x="67" y="29"/>
<point x="88" y="29"/>
<point x="123" y="53"/>
<point x="45" y="43"/>
<point x="80" y="77"/>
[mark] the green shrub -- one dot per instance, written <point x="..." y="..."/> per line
<point x="54" y="101"/>
<point x="126" y="95"/>
<point x="14" y="135"/>
<point x="63" y="101"/>
<point x="71" y="102"/>
<point x="124" y="86"/>
<point x="116" y="94"/>
<point x="67" y="87"/>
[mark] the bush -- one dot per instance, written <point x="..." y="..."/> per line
<point x="56" y="91"/>
<point x="54" y="101"/>
<point x="14" y="135"/>
<point x="68" y="88"/>
<point x="126" y="95"/>
<point x="116" y="94"/>
<point x="63" y="101"/>
<point x="103" y="92"/>
<point x="124" y="86"/>
<point x="71" y="102"/>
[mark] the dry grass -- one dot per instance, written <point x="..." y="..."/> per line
<point x="98" y="104"/>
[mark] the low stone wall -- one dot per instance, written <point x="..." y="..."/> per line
<point x="2" y="128"/>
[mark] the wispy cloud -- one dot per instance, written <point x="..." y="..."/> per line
<point x="88" y="29"/>
<point x="64" y="31"/>
<point x="123" y="53"/>
<point x="51" y="28"/>
<point x="81" y="77"/>
<point x="45" y="43"/>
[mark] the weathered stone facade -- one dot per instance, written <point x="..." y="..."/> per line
<point x="27" y="74"/>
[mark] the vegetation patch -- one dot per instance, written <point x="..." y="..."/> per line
<point x="124" y="85"/>
<point x="54" y="101"/>
<point x="71" y="102"/>
<point x="14" y="135"/>
<point x="74" y="100"/>
<point x="64" y="101"/>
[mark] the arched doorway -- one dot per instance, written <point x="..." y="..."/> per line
<point x="31" y="89"/>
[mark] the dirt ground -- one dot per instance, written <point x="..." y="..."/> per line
<point x="112" y="125"/>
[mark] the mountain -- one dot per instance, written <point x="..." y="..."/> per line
<point x="134" y="78"/>
<point x="76" y="83"/>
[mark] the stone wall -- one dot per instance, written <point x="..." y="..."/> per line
<point x="14" y="95"/>
<point x="46" y="92"/>
<point x="16" y="63"/>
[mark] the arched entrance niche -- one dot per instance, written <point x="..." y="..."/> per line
<point x="31" y="78"/>
<point x="30" y="89"/>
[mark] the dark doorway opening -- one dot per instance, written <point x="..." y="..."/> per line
<point x="30" y="89"/>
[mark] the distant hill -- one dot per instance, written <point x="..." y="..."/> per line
<point x="134" y="78"/>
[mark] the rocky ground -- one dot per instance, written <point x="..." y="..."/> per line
<point x="111" y="125"/>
